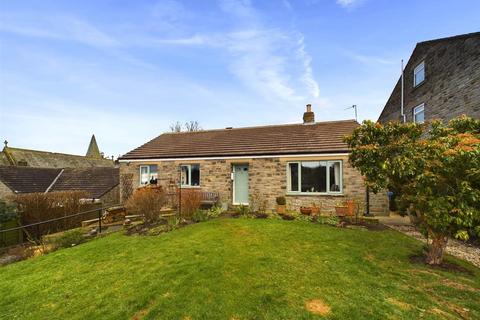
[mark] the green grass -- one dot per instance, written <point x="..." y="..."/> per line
<point x="238" y="269"/>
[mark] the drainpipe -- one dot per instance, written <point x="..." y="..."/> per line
<point x="367" y="202"/>
<point x="402" y="114"/>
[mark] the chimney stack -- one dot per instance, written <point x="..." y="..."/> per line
<point x="309" y="116"/>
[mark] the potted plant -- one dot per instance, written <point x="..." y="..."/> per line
<point x="341" y="210"/>
<point x="315" y="209"/>
<point x="350" y="204"/>
<point x="306" y="210"/>
<point x="281" y="205"/>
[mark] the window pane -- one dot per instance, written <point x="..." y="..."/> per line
<point x="335" y="179"/>
<point x="153" y="174"/>
<point x="419" y="74"/>
<point x="420" y="117"/>
<point x="195" y="175"/>
<point x="293" y="167"/>
<point x="144" y="174"/>
<point x="314" y="176"/>
<point x="185" y="176"/>
<point x="419" y="114"/>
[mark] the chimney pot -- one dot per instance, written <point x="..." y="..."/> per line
<point x="309" y="116"/>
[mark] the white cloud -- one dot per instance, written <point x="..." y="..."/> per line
<point x="347" y="3"/>
<point x="367" y="59"/>
<point x="59" y="27"/>
<point x="272" y="62"/>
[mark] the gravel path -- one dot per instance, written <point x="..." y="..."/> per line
<point x="456" y="248"/>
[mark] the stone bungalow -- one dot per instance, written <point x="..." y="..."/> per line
<point x="307" y="163"/>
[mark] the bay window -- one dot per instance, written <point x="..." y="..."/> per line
<point x="314" y="177"/>
<point x="148" y="174"/>
<point x="190" y="175"/>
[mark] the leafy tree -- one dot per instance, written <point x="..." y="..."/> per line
<point x="433" y="169"/>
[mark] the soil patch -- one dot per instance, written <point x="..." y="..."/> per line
<point x="317" y="306"/>
<point x="457" y="285"/>
<point x="445" y="266"/>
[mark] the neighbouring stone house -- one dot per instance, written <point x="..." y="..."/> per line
<point x="10" y="156"/>
<point x="440" y="81"/>
<point x="29" y="171"/>
<point x="100" y="183"/>
<point x="307" y="163"/>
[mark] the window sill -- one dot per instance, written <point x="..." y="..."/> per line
<point x="335" y="194"/>
<point x="190" y="187"/>
<point x="419" y="85"/>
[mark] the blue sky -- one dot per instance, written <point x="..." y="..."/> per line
<point x="125" y="70"/>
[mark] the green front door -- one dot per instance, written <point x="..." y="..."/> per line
<point x="240" y="184"/>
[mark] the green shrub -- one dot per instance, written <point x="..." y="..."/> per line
<point x="242" y="210"/>
<point x="200" y="215"/>
<point x="281" y="201"/>
<point x="330" y="220"/>
<point x="69" y="238"/>
<point x="214" y="212"/>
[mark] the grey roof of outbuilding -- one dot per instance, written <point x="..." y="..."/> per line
<point x="96" y="181"/>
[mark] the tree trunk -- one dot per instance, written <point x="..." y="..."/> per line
<point x="436" y="249"/>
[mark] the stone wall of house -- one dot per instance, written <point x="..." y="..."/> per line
<point x="5" y="191"/>
<point x="452" y="81"/>
<point x="267" y="181"/>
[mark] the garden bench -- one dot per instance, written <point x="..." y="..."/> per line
<point x="209" y="198"/>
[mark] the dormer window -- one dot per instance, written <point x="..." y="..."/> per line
<point x="419" y="74"/>
<point x="419" y="114"/>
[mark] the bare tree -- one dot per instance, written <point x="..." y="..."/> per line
<point x="189" y="126"/>
<point x="192" y="126"/>
<point x="176" y="127"/>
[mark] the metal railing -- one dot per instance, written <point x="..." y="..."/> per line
<point x="38" y="224"/>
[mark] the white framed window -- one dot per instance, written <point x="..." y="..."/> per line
<point x="419" y="113"/>
<point x="419" y="74"/>
<point x="315" y="177"/>
<point x="190" y="175"/>
<point x="148" y="174"/>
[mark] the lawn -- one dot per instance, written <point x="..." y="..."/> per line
<point x="239" y="269"/>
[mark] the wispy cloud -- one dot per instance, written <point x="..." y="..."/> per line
<point x="59" y="27"/>
<point x="269" y="61"/>
<point x="367" y="59"/>
<point x="348" y="3"/>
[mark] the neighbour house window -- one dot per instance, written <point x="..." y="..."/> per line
<point x="148" y="174"/>
<point x="419" y="74"/>
<point x="315" y="177"/>
<point x="190" y="175"/>
<point x="419" y="114"/>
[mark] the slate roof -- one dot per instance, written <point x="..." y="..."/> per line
<point x="96" y="180"/>
<point x="44" y="159"/>
<point x="319" y="137"/>
<point x="27" y="180"/>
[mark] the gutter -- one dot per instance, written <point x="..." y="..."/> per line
<point x="339" y="153"/>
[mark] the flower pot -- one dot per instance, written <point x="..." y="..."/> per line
<point x="341" y="211"/>
<point x="315" y="211"/>
<point x="281" y="208"/>
<point x="350" y="204"/>
<point x="306" y="210"/>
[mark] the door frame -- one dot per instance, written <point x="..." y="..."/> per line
<point x="234" y="202"/>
